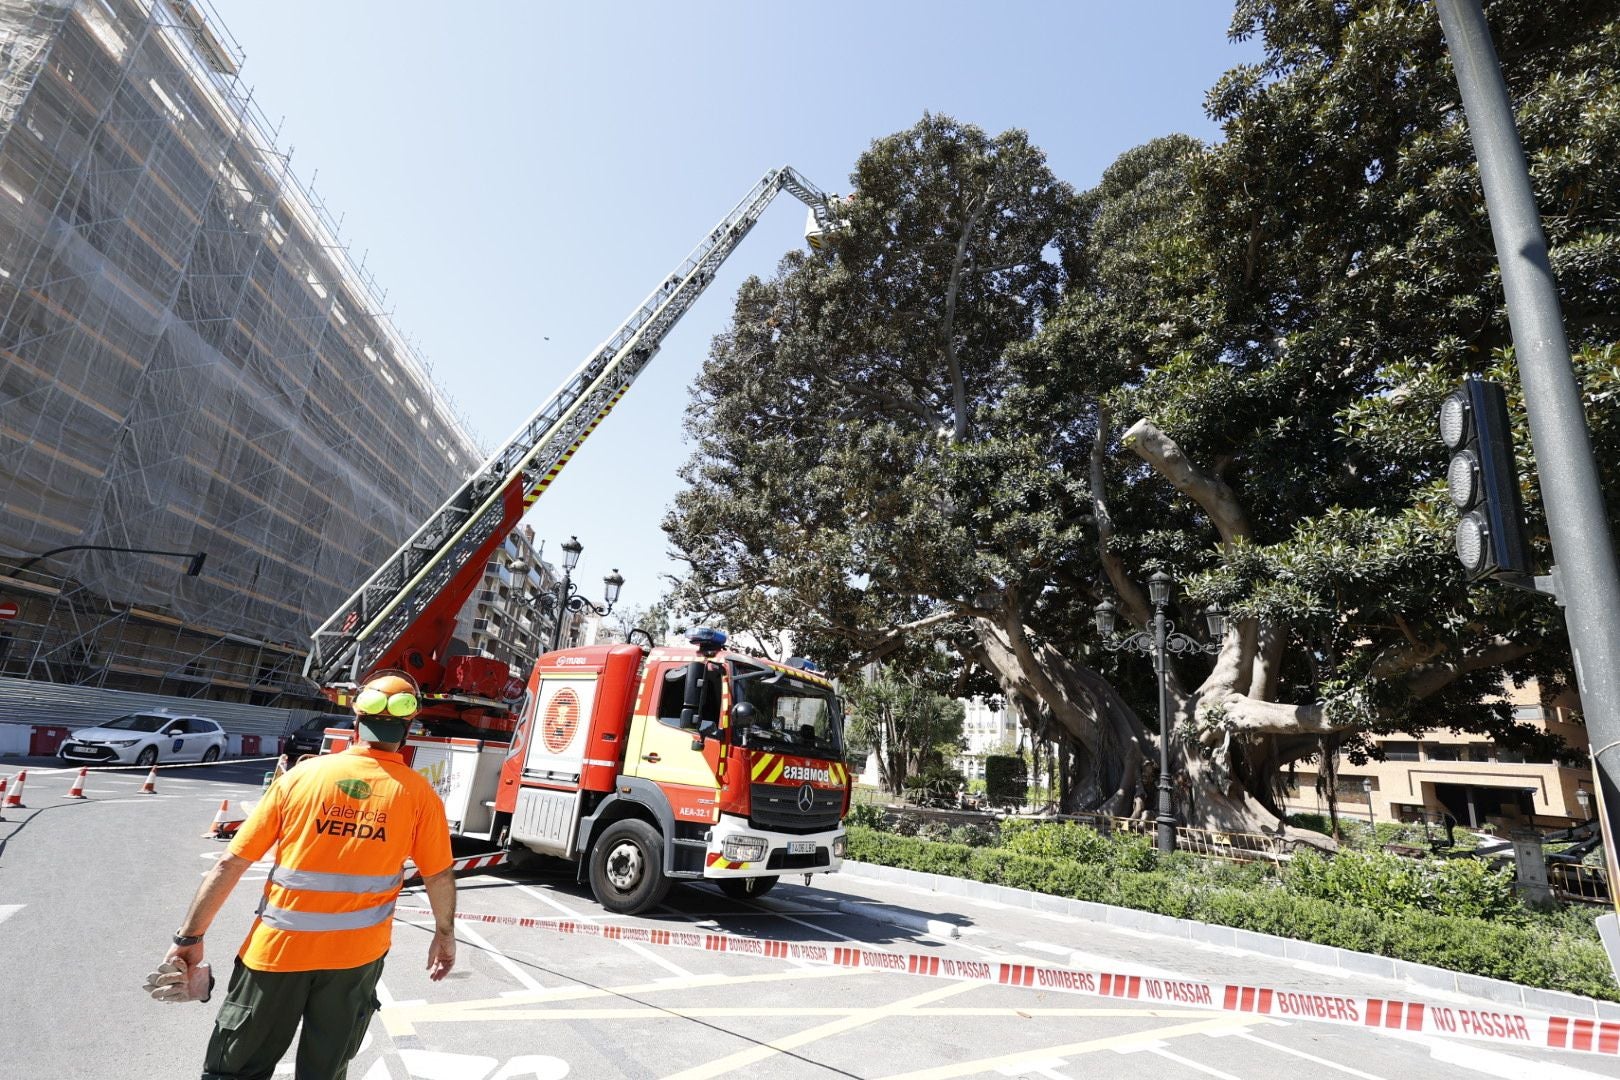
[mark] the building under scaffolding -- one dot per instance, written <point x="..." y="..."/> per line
<point x="189" y="362"/>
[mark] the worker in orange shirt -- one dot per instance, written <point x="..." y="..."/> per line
<point x="343" y="826"/>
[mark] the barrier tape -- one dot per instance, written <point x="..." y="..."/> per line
<point x="53" y="770"/>
<point x="466" y="862"/>
<point x="1355" y="1010"/>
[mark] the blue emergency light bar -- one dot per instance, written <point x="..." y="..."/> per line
<point x="707" y="640"/>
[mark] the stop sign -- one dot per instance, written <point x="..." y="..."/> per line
<point x="8" y="610"/>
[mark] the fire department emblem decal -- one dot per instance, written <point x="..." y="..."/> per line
<point x="562" y="720"/>
<point x="807" y="799"/>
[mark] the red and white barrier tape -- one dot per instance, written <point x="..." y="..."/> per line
<point x="1500" y="1026"/>
<point x="466" y="862"/>
<point x="53" y="770"/>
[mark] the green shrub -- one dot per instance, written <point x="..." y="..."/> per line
<point x="1055" y="840"/>
<point x="866" y="815"/>
<point x="1006" y="779"/>
<point x="975" y="835"/>
<point x="1470" y="887"/>
<point x="1558" y="951"/>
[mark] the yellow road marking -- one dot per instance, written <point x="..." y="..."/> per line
<point x="1130" y="1041"/>
<point x="742" y="1058"/>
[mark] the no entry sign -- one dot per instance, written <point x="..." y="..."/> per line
<point x="8" y="610"/>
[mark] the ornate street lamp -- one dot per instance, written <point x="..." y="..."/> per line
<point x="1161" y="641"/>
<point x="568" y="597"/>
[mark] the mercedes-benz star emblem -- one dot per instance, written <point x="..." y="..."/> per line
<point x="807" y="799"/>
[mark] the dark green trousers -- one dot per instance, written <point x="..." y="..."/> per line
<point x="262" y="1010"/>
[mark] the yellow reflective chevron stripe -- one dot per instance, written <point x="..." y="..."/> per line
<point x="539" y="488"/>
<point x="777" y="765"/>
<point x="761" y="763"/>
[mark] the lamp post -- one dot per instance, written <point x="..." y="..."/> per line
<point x="1162" y="641"/>
<point x="568" y="597"/>
<point x="1366" y="787"/>
<point x="1584" y="798"/>
<point x="193" y="568"/>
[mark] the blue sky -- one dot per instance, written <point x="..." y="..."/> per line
<point x="519" y="175"/>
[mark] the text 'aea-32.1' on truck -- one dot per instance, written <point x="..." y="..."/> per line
<point x="643" y="765"/>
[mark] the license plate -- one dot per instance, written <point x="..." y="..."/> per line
<point x="801" y="847"/>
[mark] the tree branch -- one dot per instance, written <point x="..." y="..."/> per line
<point x="1433" y="678"/>
<point x="947" y="334"/>
<point x="1209" y="492"/>
<point x="1135" y="604"/>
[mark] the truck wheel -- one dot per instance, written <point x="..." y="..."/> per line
<point x="746" y="888"/>
<point x="627" y="867"/>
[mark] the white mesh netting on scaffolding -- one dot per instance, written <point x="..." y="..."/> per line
<point x="189" y="360"/>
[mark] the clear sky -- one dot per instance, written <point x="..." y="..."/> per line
<point x="520" y="175"/>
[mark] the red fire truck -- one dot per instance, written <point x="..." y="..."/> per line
<point x="644" y="765"/>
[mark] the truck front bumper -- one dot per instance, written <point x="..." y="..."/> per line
<point x="739" y="850"/>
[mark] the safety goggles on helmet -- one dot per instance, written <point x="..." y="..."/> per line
<point x="373" y="702"/>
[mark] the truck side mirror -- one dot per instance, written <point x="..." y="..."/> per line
<point x="692" y="703"/>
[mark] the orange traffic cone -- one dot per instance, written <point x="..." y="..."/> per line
<point x="2" y="795"/>
<point x="77" y="790"/>
<point x="149" y="787"/>
<point x="14" y="800"/>
<point x="226" y="822"/>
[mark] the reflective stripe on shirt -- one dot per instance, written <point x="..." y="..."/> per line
<point x="312" y="881"/>
<point x="285" y="919"/>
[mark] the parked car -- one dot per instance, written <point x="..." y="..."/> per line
<point x="145" y="738"/>
<point x="306" y="737"/>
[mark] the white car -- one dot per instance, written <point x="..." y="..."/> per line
<point x="145" y="738"/>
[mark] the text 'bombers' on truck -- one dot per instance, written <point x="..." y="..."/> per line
<point x="644" y="765"/>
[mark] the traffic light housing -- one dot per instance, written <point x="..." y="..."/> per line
<point x="1484" y="482"/>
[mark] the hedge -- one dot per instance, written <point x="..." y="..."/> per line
<point x="1531" y="955"/>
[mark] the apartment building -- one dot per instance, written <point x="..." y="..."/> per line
<point x="1466" y="777"/>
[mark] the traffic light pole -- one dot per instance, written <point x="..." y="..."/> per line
<point x="1583" y="550"/>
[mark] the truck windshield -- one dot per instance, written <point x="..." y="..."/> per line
<point x="790" y="715"/>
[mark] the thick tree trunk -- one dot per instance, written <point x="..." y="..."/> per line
<point x="1104" y="735"/>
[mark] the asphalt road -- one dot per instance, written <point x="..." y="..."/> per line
<point x="89" y="892"/>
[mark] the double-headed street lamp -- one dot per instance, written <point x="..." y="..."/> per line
<point x="568" y="597"/>
<point x="1158" y="644"/>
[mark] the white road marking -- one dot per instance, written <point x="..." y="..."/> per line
<point x="1187" y="1062"/>
<point x="546" y="898"/>
<point x="386" y="1000"/>
<point x="663" y="962"/>
<point x="1493" y="1063"/>
<point x="1041" y="946"/>
<point x="1308" y="1057"/>
<point x="524" y="979"/>
<point x="1047" y="1068"/>
<point x="8" y="910"/>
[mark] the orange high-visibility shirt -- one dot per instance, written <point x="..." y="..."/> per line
<point x="343" y="826"/>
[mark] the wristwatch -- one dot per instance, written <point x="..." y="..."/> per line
<point x="187" y="939"/>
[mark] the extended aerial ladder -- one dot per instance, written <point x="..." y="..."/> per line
<point x="404" y="616"/>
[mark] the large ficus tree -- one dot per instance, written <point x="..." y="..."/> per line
<point x="1346" y="282"/>
<point x="1002" y="402"/>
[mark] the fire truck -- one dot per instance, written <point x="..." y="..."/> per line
<point x="641" y="764"/>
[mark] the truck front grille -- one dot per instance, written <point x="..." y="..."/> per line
<point x="776" y="806"/>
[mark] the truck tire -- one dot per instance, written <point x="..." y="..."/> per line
<point x="627" y="867"/>
<point x="746" y="888"/>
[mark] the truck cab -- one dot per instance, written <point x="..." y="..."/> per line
<point x="648" y="766"/>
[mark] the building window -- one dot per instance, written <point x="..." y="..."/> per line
<point x="1529" y="712"/>
<point x="1400" y="751"/>
<point x="1442" y="752"/>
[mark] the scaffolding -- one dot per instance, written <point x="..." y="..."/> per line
<point x="190" y="359"/>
